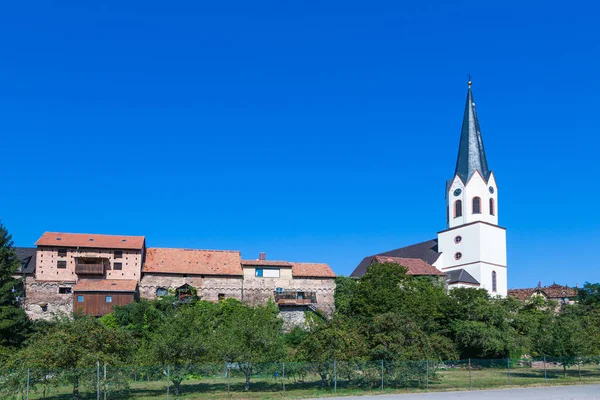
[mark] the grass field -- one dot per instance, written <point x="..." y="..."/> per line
<point x="271" y="387"/>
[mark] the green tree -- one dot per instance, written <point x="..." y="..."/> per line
<point x="589" y="294"/>
<point x="73" y="347"/>
<point x="340" y="339"/>
<point x="344" y="291"/>
<point x="485" y="327"/>
<point x="248" y="336"/>
<point x="176" y="345"/>
<point x="14" y="324"/>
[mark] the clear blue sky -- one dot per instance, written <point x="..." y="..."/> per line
<point x="314" y="131"/>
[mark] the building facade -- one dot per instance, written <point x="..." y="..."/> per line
<point x="471" y="251"/>
<point x="91" y="273"/>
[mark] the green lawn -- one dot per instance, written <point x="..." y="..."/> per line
<point x="272" y="387"/>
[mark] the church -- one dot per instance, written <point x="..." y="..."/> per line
<point x="471" y="251"/>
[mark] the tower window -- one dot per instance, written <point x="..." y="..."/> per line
<point x="458" y="208"/>
<point x="458" y="239"/>
<point x="458" y="255"/>
<point x="492" y="210"/>
<point x="476" y="205"/>
<point x="494" y="286"/>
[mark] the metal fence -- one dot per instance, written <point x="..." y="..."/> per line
<point x="294" y="379"/>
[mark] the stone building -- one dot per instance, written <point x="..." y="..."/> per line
<point x="214" y="274"/>
<point x="563" y="295"/>
<point x="63" y="259"/>
<point x="91" y="273"/>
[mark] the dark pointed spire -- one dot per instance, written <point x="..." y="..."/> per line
<point x="471" y="155"/>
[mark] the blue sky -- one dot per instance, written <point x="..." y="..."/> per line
<point x="314" y="131"/>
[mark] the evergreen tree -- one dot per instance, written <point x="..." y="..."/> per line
<point x="13" y="320"/>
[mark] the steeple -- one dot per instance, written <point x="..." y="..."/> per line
<point x="471" y="155"/>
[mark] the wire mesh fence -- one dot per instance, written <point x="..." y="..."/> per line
<point x="295" y="379"/>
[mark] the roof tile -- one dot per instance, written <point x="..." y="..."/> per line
<point x="199" y="262"/>
<point x="311" y="270"/>
<point x="91" y="240"/>
<point x="105" y="285"/>
<point x="414" y="266"/>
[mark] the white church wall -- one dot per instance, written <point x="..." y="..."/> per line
<point x="493" y="244"/>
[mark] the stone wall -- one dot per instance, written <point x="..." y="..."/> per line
<point x="292" y="317"/>
<point x="44" y="301"/>
<point x="208" y="288"/>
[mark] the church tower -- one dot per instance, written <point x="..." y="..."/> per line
<point x="473" y="247"/>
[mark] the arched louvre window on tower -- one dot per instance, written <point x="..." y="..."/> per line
<point x="492" y="210"/>
<point x="458" y="208"/>
<point x="476" y="205"/>
<point x="494" y="285"/>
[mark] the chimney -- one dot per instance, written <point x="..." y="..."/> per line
<point x="262" y="256"/>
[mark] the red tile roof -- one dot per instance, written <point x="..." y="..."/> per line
<point x="414" y="266"/>
<point x="557" y="291"/>
<point x="553" y="291"/>
<point x="521" y="294"/>
<point x="266" y="263"/>
<point x="105" y="285"/>
<point x="311" y="270"/>
<point x="200" y="262"/>
<point x="91" y="240"/>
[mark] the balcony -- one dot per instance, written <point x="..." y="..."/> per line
<point x="295" y="298"/>
<point x="90" y="265"/>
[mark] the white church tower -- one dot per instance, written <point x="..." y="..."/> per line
<point x="473" y="247"/>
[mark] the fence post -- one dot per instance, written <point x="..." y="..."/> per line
<point x="98" y="380"/>
<point x="168" y="381"/>
<point x="228" y="378"/>
<point x="508" y="366"/>
<point x="545" y="371"/>
<point x="470" y="379"/>
<point x="382" y="374"/>
<point x="283" y="374"/>
<point x="334" y="376"/>
<point x="579" y="366"/>
<point x="104" y="381"/>
<point x="27" y="392"/>
<point x="427" y="375"/>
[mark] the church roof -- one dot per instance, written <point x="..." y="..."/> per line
<point x="414" y="266"/>
<point x="471" y="155"/>
<point x="426" y="251"/>
<point x="460" y="276"/>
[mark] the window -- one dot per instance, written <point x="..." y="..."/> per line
<point x="300" y="295"/>
<point x="458" y="255"/>
<point x="458" y="239"/>
<point x="80" y="299"/>
<point x="267" y="272"/>
<point x="458" y="208"/>
<point x="64" y="290"/>
<point x="476" y="205"/>
<point x="492" y="211"/>
<point x="221" y="296"/>
<point x="118" y="254"/>
<point x="61" y="264"/>
<point x="161" y="291"/>
<point x="118" y="266"/>
<point x="494" y="287"/>
<point x="108" y="299"/>
<point x="279" y="290"/>
<point x="62" y="252"/>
